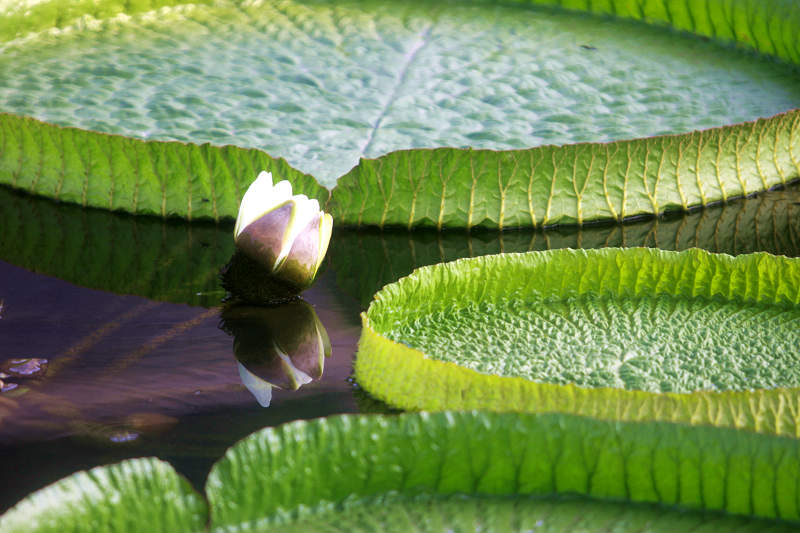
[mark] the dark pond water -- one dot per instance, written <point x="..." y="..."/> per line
<point x="125" y="311"/>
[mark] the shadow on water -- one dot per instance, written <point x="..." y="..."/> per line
<point x="125" y="310"/>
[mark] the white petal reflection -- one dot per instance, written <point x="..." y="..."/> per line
<point x="257" y="386"/>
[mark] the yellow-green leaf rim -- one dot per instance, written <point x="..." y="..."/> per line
<point x="407" y="378"/>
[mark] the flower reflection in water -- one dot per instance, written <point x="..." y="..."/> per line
<point x="281" y="346"/>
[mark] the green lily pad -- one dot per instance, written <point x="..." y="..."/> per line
<point x="658" y="343"/>
<point x="447" y="472"/>
<point x="630" y="334"/>
<point x="127" y="497"/>
<point x="167" y="179"/>
<point x="324" y="84"/>
<point x="500" y="472"/>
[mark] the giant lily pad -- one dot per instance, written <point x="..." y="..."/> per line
<point x="455" y="472"/>
<point x="628" y="334"/>
<point x="324" y="84"/>
<point x="479" y="471"/>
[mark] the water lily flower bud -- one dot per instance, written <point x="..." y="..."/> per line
<point x="283" y="346"/>
<point x="285" y="233"/>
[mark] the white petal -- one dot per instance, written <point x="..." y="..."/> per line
<point x="305" y="211"/>
<point x="260" y="187"/>
<point x="325" y="230"/>
<point x="257" y="386"/>
<point x="299" y="378"/>
<point x="261" y="197"/>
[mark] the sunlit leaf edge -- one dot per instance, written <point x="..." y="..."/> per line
<point x="407" y="378"/>
<point x="161" y="178"/>
<point x="441" y="188"/>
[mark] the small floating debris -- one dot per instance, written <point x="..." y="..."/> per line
<point x="30" y="367"/>
<point x="123" y="436"/>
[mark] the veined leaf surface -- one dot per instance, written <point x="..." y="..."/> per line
<point x="448" y="472"/>
<point x="341" y="472"/>
<point x="167" y="179"/>
<point x="324" y="84"/>
<point x="519" y="331"/>
<point x="135" y="495"/>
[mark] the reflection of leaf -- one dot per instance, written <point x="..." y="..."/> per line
<point x="144" y="177"/>
<point x="401" y="83"/>
<point x="162" y="260"/>
<point x="135" y="495"/>
<point x="589" y="317"/>
<point x="366" y="261"/>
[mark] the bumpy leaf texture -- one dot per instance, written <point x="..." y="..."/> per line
<point x="437" y="188"/>
<point x="682" y="336"/>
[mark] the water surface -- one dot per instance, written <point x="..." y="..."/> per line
<point x="138" y="366"/>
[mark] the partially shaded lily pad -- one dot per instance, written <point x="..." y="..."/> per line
<point x="324" y="83"/>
